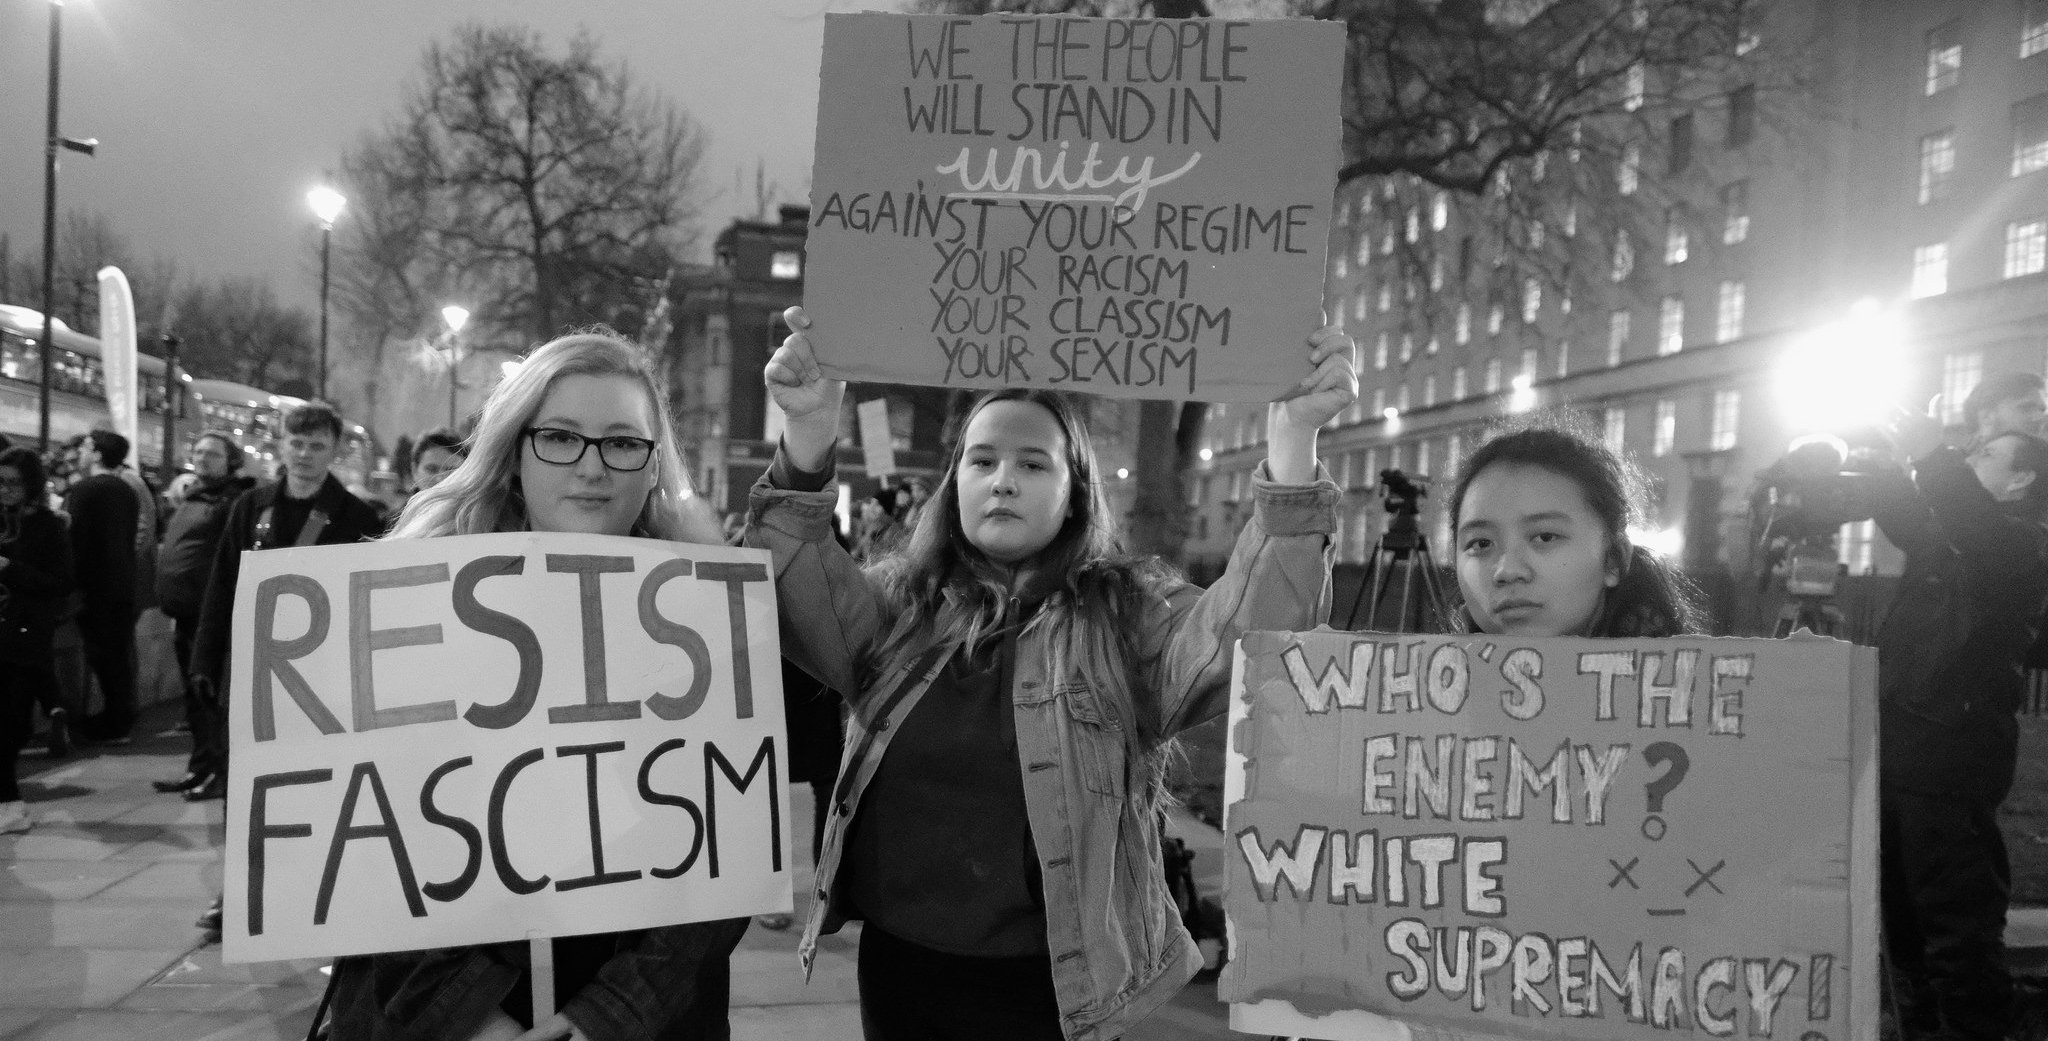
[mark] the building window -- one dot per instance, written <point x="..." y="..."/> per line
<point x="1671" y="326"/>
<point x="1960" y="372"/>
<point x="1624" y="256"/>
<point x="1617" y="337"/>
<point x="2030" y="135"/>
<point x="1412" y="228"/>
<point x="1364" y="252"/>
<point x="2026" y="247"/>
<point x="786" y="263"/>
<point x="1386" y="296"/>
<point x="1407" y="348"/>
<point x="1458" y="383"/>
<point x="2034" y="28"/>
<point x="1665" y="432"/>
<point x="1728" y="316"/>
<point x="1741" y="115"/>
<point x="1529" y="357"/>
<point x="1937" y="163"/>
<point x="1343" y="266"/>
<point x="1422" y="457"/>
<point x="1379" y="402"/>
<point x="1727" y="414"/>
<point x="1633" y="88"/>
<point x="1401" y="398"/>
<point x="1379" y="352"/>
<point x="1614" y="430"/>
<point x="1429" y="390"/>
<point x="1680" y="155"/>
<point x="1858" y="541"/>
<point x="1532" y="300"/>
<point x="1677" y="242"/>
<point x="1944" y="58"/>
<point x="1930" y="270"/>
<point x="1436" y="272"/>
<point x="1439" y="211"/>
<point x="1564" y="358"/>
<point x="1462" y="325"/>
<point x="1626" y="176"/>
<point x="1734" y="212"/>
<point x="1493" y="375"/>
<point x="1495" y="316"/>
<point x="1570" y="224"/>
<point x="1358" y="304"/>
<point x="1432" y="346"/>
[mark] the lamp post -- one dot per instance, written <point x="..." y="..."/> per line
<point x="51" y="143"/>
<point x="456" y="316"/>
<point x="326" y="204"/>
<point x="174" y="397"/>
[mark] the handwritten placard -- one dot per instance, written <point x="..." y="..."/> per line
<point x="494" y="737"/>
<point x="1131" y="208"/>
<point x="1551" y="838"/>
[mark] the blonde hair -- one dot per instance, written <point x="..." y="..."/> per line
<point x="483" y="493"/>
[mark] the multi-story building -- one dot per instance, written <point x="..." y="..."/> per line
<point x="1879" y="241"/>
<point x="728" y="321"/>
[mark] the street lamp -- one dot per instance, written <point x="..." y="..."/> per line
<point x="51" y="143"/>
<point x="456" y="316"/>
<point x="326" y="204"/>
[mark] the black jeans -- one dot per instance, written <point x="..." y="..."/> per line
<point x="913" y="993"/>
<point x="28" y="682"/>
<point x="205" y="717"/>
<point x="1945" y="883"/>
<point x="109" y="633"/>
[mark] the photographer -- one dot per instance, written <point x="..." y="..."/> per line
<point x="1967" y="609"/>
<point x="2006" y="403"/>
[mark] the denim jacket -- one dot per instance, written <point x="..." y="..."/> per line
<point x="1118" y="948"/>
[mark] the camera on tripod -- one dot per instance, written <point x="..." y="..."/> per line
<point x="1402" y="497"/>
<point x="1798" y="508"/>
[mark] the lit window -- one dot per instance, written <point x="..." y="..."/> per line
<point x="1342" y="268"/>
<point x="1728" y="316"/>
<point x="1937" y="163"/>
<point x="1458" y="383"/>
<point x="1960" y="372"/>
<point x="1344" y="213"/>
<point x="1401" y="398"/>
<point x="1532" y="300"/>
<point x="1440" y="211"/>
<point x="1413" y="230"/>
<point x="1358" y="304"/>
<point x="1379" y="401"/>
<point x="1529" y="357"/>
<point x="1436" y="272"/>
<point x="1564" y="357"/>
<point x="1422" y="458"/>
<point x="1944" y="58"/>
<point x="1930" y="270"/>
<point x="1571" y="219"/>
<point x="1615" y="430"/>
<point x="1671" y="326"/>
<point x="1495" y="315"/>
<point x="786" y="264"/>
<point x="1734" y="212"/>
<point x="1429" y="390"/>
<point x="1741" y="115"/>
<point x="1727" y="415"/>
<point x="1493" y="375"/>
<point x="1386" y="296"/>
<point x="1677" y="241"/>
<point x="1407" y="352"/>
<point x="1626" y="176"/>
<point x="2030" y="135"/>
<point x="1624" y="256"/>
<point x="1633" y="88"/>
<point x="1666" y="430"/>
<point x="1858" y="541"/>
<point x="2026" y="247"/>
<point x="1379" y="353"/>
<point x="1432" y="346"/>
<point x="1535" y="234"/>
<point x="1461" y="330"/>
<point x="1364" y="250"/>
<point x="2034" y="29"/>
<point x="1617" y="337"/>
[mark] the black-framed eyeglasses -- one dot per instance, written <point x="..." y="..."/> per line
<point x="566" y="447"/>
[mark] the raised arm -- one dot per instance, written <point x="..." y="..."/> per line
<point x="1292" y="421"/>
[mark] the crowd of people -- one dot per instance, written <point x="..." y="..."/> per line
<point x="1008" y="676"/>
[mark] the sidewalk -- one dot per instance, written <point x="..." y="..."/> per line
<point x="97" y="941"/>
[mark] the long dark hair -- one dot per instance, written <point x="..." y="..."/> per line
<point x="34" y="479"/>
<point x="1651" y="598"/>
<point x="942" y="589"/>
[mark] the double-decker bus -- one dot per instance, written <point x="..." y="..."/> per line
<point x="78" y="401"/>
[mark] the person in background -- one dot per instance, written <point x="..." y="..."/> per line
<point x="306" y="507"/>
<point x="106" y="515"/>
<point x="1017" y="676"/>
<point x="2005" y="403"/>
<point x="578" y="440"/>
<point x="191" y="539"/>
<point x="35" y="577"/>
<point x="436" y="455"/>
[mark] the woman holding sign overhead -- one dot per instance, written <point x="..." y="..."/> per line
<point x="1016" y="678"/>
<point x="577" y="440"/>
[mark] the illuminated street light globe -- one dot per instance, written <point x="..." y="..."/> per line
<point x="326" y="204"/>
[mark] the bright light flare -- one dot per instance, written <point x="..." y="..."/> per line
<point x="326" y="204"/>
<point x="1522" y="393"/>
<point x="1666" y="542"/>
<point x="456" y="316"/>
<point x="1845" y="375"/>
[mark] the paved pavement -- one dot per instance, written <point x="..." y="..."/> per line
<point x="97" y="941"/>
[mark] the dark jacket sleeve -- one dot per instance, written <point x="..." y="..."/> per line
<point x="1974" y="523"/>
<point x="1901" y="515"/>
<point x="421" y="995"/>
<point x="39" y="563"/>
<point x="217" y="607"/>
<point x="670" y="977"/>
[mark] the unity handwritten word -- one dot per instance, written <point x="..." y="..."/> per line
<point x="1391" y="676"/>
<point x="1571" y="977"/>
<point x="274" y="654"/>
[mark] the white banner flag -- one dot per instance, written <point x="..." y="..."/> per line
<point x="117" y="355"/>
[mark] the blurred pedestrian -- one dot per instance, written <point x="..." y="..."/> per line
<point x="35" y="577"/>
<point x="436" y="455"/>
<point x="191" y="537"/>
<point x="106" y="515"/>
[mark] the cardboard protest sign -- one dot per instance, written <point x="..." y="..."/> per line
<point x="1132" y="208"/>
<point x="1476" y="836"/>
<point x="496" y="737"/>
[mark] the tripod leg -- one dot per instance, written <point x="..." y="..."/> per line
<point x="1365" y="580"/>
<point x="1385" y="560"/>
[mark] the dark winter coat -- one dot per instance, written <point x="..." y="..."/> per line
<point x="190" y="537"/>
<point x="104" y="512"/>
<point x="34" y="583"/>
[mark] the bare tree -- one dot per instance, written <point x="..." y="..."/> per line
<point x="237" y="330"/>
